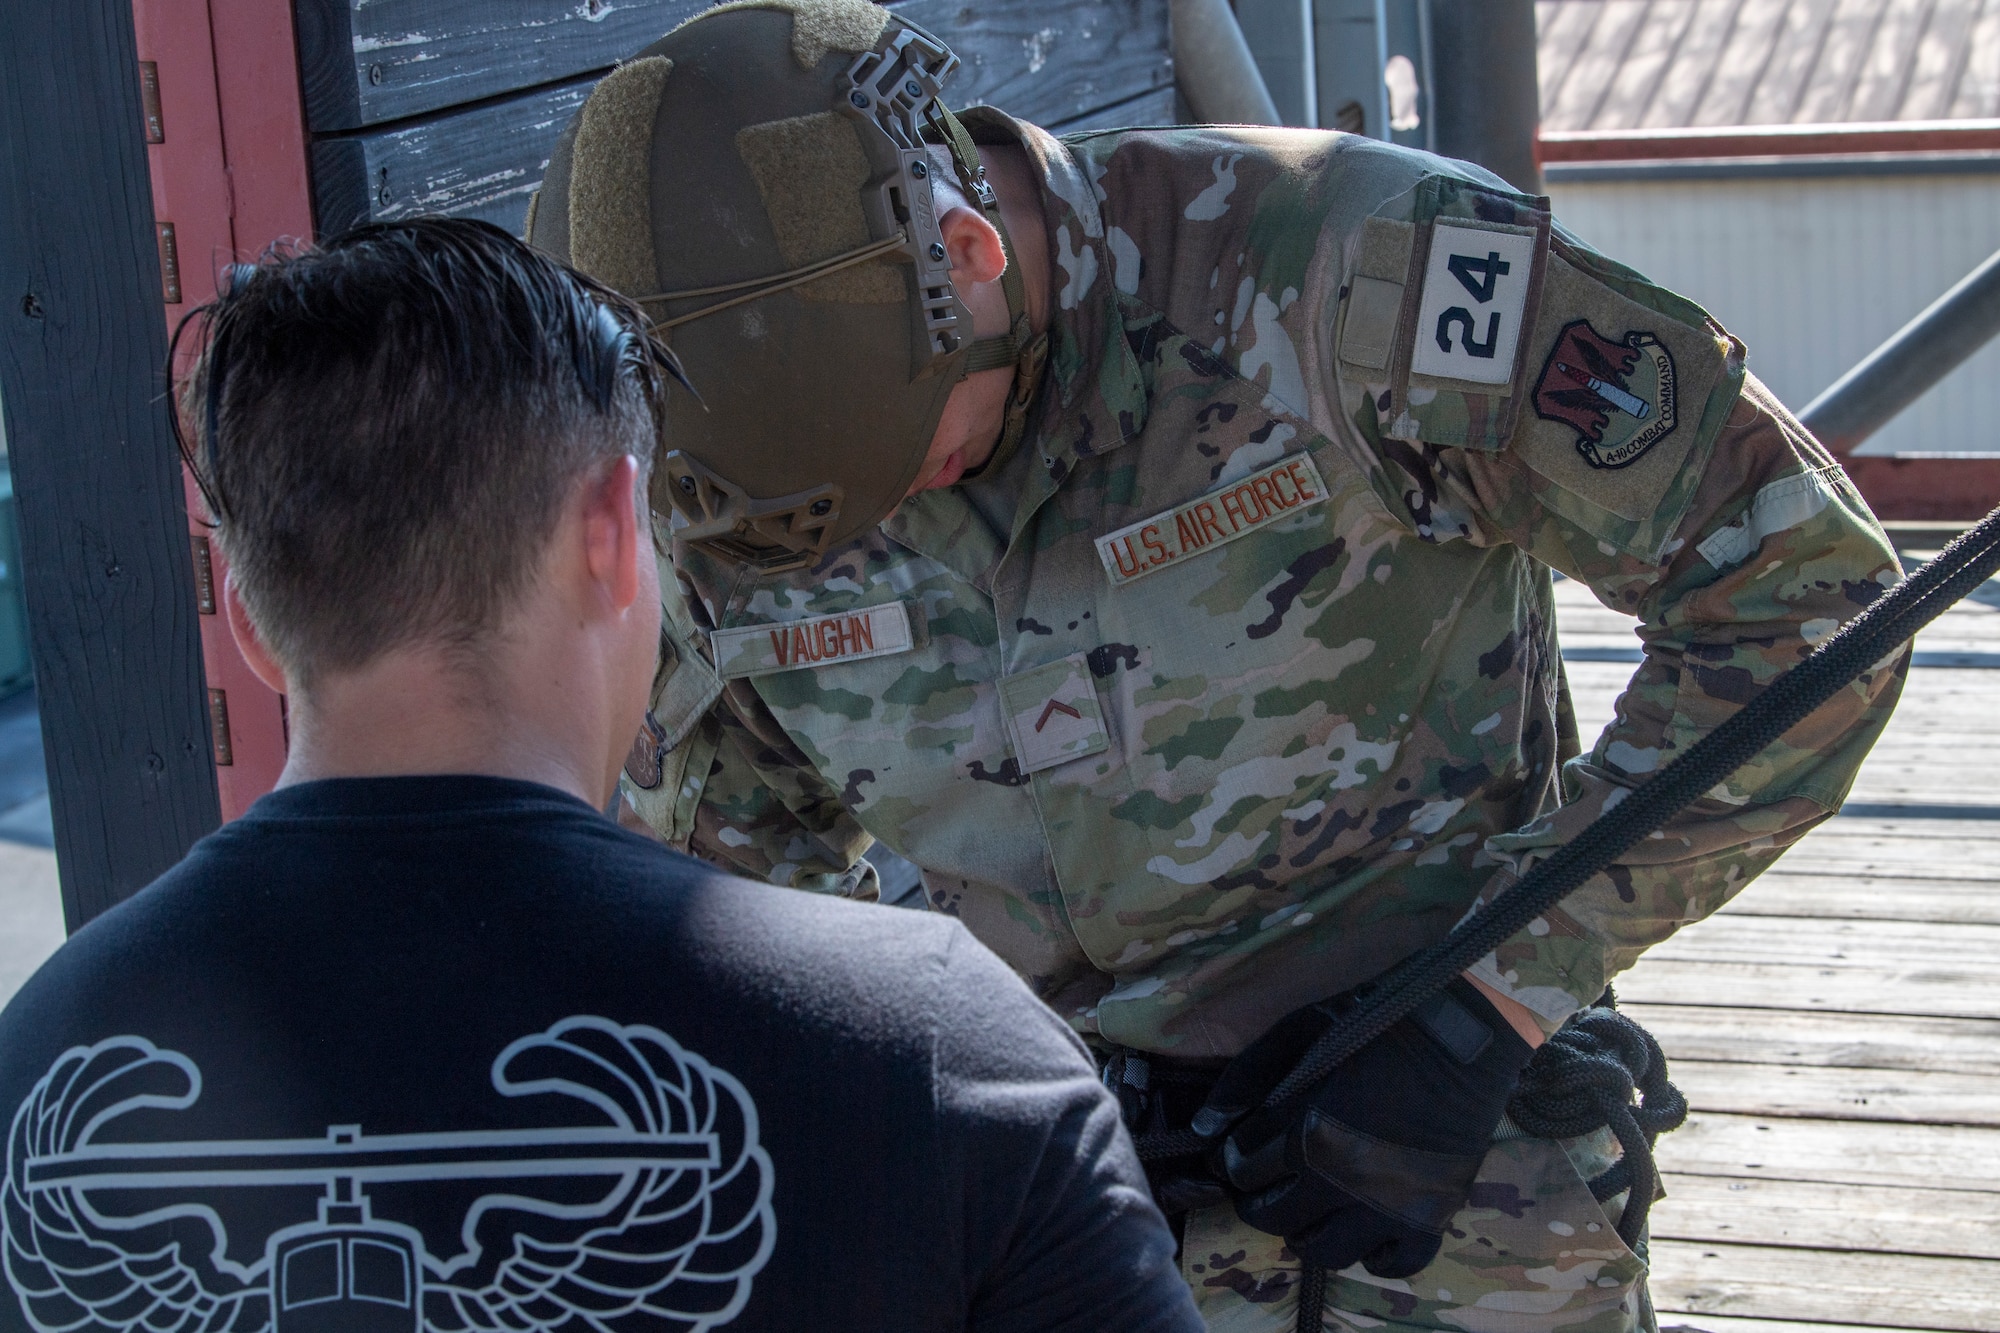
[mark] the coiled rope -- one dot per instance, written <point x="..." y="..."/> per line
<point x="1586" y="1077"/>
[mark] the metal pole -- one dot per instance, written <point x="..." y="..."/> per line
<point x="1279" y="34"/>
<point x="1487" y="101"/>
<point x="1214" y="67"/>
<point x="1309" y="63"/>
<point x="1379" y="122"/>
<point x="1427" y="46"/>
<point x="1920" y="354"/>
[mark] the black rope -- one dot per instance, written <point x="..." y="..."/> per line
<point x="1312" y="1297"/>
<point x="1581" y="1067"/>
<point x="1586" y="1077"/>
<point x="1865" y="641"/>
<point x="1171" y="1143"/>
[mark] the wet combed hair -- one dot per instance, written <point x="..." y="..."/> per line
<point x="386" y="428"/>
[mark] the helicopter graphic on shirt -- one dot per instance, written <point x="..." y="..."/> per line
<point x="673" y="1222"/>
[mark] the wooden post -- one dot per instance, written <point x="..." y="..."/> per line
<point x="110" y="588"/>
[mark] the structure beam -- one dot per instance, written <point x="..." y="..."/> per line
<point x="1905" y="367"/>
<point x="1483" y="86"/>
<point x="109" y="582"/>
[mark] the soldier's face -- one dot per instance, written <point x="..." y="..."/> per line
<point x="968" y="430"/>
<point x="973" y="416"/>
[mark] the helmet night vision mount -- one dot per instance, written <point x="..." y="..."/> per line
<point x="766" y="197"/>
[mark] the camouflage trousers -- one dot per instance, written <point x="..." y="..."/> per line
<point x="1531" y="1252"/>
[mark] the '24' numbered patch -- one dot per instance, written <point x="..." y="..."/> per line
<point x="1475" y="295"/>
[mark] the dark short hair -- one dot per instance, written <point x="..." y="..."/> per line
<point x="386" y="426"/>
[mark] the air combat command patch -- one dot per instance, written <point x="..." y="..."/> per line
<point x="1618" y="396"/>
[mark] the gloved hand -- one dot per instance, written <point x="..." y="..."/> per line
<point x="1373" y="1160"/>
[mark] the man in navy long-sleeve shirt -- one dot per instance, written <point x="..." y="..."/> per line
<point x="424" y="1041"/>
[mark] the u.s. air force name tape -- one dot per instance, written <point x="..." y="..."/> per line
<point x="786" y="645"/>
<point x="1265" y="496"/>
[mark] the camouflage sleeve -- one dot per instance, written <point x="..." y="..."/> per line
<point x="1646" y="462"/>
<point x="715" y="776"/>
<point x="763" y="811"/>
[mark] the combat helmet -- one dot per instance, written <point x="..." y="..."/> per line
<point x="758" y="180"/>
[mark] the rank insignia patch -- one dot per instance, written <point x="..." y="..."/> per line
<point x="1053" y="714"/>
<point x="1617" y="396"/>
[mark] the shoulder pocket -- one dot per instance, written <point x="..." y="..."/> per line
<point x="1623" y="395"/>
<point x="1443" y="285"/>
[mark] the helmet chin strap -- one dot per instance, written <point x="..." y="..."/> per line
<point x="1020" y="347"/>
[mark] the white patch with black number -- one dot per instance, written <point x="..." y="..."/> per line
<point x="1475" y="294"/>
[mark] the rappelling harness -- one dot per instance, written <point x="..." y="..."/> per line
<point x="1601" y="1068"/>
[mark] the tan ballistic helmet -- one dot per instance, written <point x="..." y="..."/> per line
<point x="758" y="181"/>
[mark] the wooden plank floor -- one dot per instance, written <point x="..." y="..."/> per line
<point x="1837" y="1030"/>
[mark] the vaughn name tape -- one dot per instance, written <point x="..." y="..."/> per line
<point x="1284" y="488"/>
<point x="786" y="645"/>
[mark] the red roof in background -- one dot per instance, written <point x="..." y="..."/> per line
<point x="1665" y="64"/>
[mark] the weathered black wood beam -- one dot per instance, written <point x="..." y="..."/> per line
<point x="110" y="587"/>
<point x="480" y="162"/>
<point x="1158" y="107"/>
<point x="364" y="62"/>
<point x="1051" y="63"/>
<point x="1082" y="65"/>
<point x="369" y="62"/>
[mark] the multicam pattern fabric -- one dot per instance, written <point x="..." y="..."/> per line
<point x="1328" y="737"/>
<point x="1531" y="1252"/>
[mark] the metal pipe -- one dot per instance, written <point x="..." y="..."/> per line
<point x="1381" y="116"/>
<point x="1920" y="354"/>
<point x="1426" y="47"/>
<point x="1279" y="34"/>
<point x="1309" y="61"/>
<point x="1485" y="99"/>
<point x="1213" y="66"/>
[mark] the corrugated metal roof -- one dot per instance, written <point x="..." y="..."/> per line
<point x="1646" y="64"/>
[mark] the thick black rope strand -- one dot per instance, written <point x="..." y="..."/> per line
<point x="1889" y="622"/>
<point x="1865" y="641"/>
<point x="1584" y="1078"/>
<point x="1312" y="1297"/>
<point x="1171" y="1143"/>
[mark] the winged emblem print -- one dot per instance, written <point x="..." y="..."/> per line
<point x="664" y="1215"/>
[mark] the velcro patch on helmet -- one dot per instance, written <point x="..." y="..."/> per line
<point x="610" y="190"/>
<point x="819" y="26"/>
<point x="810" y="170"/>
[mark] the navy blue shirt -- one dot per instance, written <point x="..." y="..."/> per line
<point x="458" y="1053"/>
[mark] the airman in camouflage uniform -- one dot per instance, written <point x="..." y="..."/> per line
<point x="1238" y="681"/>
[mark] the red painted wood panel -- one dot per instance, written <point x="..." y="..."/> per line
<point x="1931" y="489"/>
<point x="229" y="177"/>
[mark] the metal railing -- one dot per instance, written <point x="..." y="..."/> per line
<point x="1916" y="357"/>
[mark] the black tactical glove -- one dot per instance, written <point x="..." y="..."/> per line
<point x="1373" y="1160"/>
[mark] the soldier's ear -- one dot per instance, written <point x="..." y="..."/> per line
<point x="263" y="664"/>
<point x="977" y="256"/>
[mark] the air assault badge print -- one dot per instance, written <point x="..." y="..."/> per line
<point x="1618" y="396"/>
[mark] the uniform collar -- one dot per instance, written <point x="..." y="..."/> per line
<point x="1093" y="391"/>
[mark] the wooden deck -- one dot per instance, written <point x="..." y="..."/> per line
<point x="1837" y="1030"/>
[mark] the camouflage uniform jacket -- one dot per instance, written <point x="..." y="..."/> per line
<point x="1238" y="682"/>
